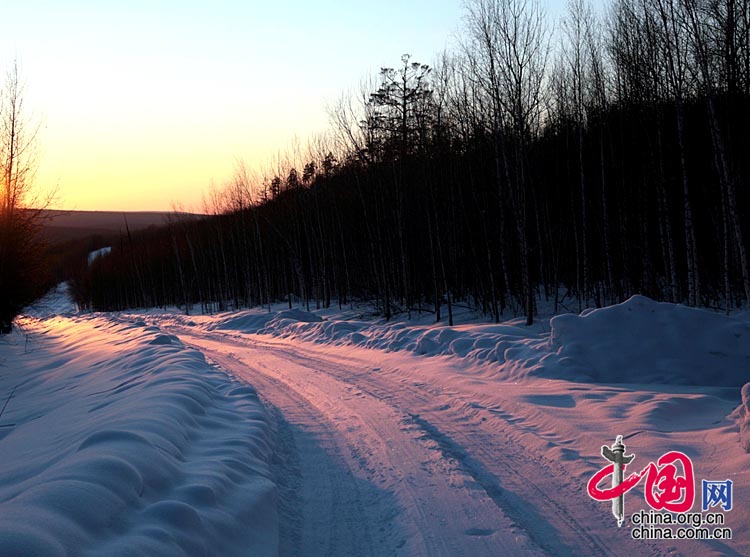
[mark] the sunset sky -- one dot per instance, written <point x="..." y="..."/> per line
<point x="147" y="103"/>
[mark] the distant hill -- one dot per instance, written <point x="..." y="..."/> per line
<point x="61" y="226"/>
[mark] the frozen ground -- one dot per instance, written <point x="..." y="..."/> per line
<point x="372" y="438"/>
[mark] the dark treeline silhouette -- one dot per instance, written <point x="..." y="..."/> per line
<point x="580" y="167"/>
<point x="23" y="274"/>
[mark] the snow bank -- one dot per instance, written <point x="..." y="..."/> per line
<point x="638" y="341"/>
<point x="494" y="343"/>
<point x="267" y="323"/>
<point x="119" y="440"/>
<point x="642" y="341"/>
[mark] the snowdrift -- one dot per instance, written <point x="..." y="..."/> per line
<point x="267" y="323"/>
<point x="638" y="341"/>
<point x="642" y="341"/>
<point x="476" y="342"/>
<point x="119" y="440"/>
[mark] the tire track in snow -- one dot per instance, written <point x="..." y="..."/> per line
<point x="538" y="502"/>
<point x="532" y="489"/>
<point x="510" y="494"/>
<point x="324" y="510"/>
<point x="442" y="509"/>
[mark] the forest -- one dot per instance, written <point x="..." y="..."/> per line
<point x="574" y="162"/>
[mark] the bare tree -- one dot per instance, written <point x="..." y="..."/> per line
<point x="22" y="207"/>
<point x="17" y="147"/>
<point x="511" y="40"/>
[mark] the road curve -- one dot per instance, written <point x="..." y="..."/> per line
<point x="375" y="462"/>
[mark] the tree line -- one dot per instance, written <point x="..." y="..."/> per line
<point x="23" y="275"/>
<point x="577" y="166"/>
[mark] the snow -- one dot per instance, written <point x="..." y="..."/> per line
<point x="119" y="440"/>
<point x="642" y="341"/>
<point x="144" y="433"/>
<point x="637" y="341"/>
<point x="101" y="252"/>
<point x="481" y="343"/>
<point x="58" y="302"/>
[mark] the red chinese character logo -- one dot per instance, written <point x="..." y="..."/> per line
<point x="665" y="488"/>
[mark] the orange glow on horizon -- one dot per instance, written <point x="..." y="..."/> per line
<point x="149" y="104"/>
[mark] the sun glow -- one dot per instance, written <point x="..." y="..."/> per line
<point x="149" y="104"/>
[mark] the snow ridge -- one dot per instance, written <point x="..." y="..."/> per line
<point x="119" y="440"/>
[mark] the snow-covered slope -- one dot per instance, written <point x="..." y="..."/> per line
<point x="116" y="439"/>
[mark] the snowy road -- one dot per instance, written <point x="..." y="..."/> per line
<point x="392" y="487"/>
<point x="118" y="437"/>
<point x="378" y="462"/>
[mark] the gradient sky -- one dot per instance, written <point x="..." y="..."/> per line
<point x="145" y="103"/>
